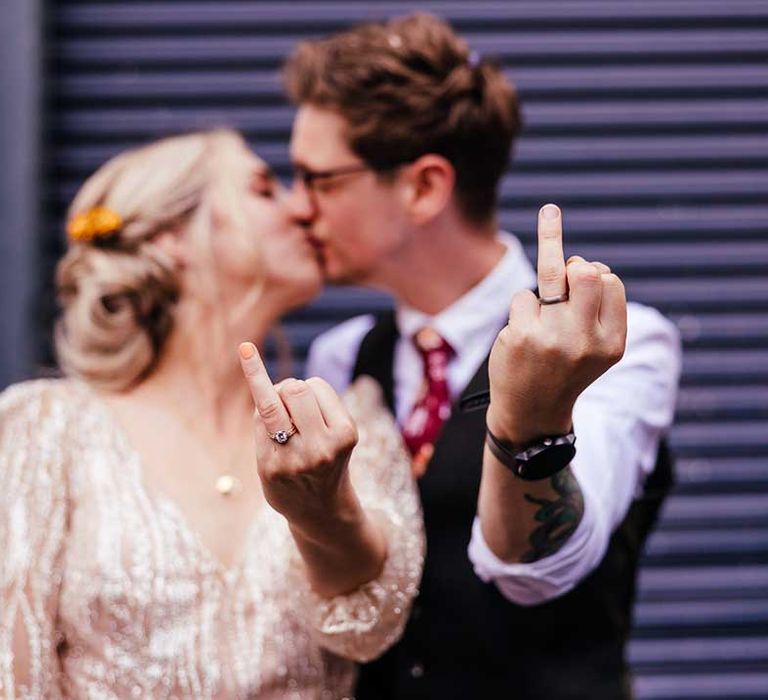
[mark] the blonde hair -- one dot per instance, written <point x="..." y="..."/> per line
<point x="118" y="293"/>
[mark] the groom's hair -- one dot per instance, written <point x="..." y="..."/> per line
<point x="408" y="87"/>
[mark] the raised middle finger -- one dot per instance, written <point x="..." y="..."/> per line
<point x="550" y="268"/>
<point x="268" y="403"/>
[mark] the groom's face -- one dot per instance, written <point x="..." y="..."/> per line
<point x="355" y="219"/>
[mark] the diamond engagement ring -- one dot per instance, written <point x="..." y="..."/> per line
<point x="282" y="436"/>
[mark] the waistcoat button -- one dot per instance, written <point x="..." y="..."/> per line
<point x="417" y="670"/>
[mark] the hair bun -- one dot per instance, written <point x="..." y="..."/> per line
<point x="117" y="310"/>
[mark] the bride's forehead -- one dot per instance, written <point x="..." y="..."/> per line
<point x="241" y="161"/>
<point x="251" y="160"/>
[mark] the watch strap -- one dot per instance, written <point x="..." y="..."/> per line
<point x="535" y="460"/>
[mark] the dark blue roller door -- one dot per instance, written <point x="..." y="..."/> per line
<point x="646" y="121"/>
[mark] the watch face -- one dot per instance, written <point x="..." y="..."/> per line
<point x="547" y="461"/>
<point x="537" y="460"/>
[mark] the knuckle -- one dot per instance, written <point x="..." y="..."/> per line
<point x="288" y="469"/>
<point x="549" y="234"/>
<point x="616" y="355"/>
<point x="512" y="340"/>
<point x="601" y="267"/>
<point x="587" y="356"/>
<point x="268" y="408"/>
<point x="592" y="354"/>
<point x="250" y="371"/>
<point x="550" y="273"/>
<point x="600" y="351"/>
<point x="524" y="296"/>
<point x="324" y="455"/>
<point x="270" y="473"/>
<point x="294" y="387"/>
<point x="578" y="350"/>
<point x="316" y="382"/>
<point x="611" y="280"/>
<point x="584" y="273"/>
<point x="347" y="435"/>
<point x="615" y="349"/>
<point x="551" y="347"/>
<point x="522" y="301"/>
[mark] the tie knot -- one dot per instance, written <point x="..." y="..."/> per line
<point x="434" y="349"/>
<point x="428" y="341"/>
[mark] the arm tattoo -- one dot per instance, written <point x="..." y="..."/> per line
<point x="559" y="518"/>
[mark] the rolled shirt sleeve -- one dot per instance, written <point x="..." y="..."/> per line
<point x="619" y="421"/>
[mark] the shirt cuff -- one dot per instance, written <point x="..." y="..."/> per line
<point x="545" y="579"/>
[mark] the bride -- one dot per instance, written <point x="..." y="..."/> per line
<point x="158" y="537"/>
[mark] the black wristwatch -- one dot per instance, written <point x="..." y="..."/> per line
<point x="534" y="460"/>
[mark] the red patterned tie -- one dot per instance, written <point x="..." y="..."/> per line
<point x="433" y="406"/>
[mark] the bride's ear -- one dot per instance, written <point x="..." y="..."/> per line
<point x="172" y="244"/>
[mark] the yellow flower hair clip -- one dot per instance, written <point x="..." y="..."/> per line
<point x="98" y="222"/>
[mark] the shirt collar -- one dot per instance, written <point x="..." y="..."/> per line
<point x="483" y="308"/>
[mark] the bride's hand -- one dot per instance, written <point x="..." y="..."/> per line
<point x="305" y="477"/>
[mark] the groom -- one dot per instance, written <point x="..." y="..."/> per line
<point x="399" y="143"/>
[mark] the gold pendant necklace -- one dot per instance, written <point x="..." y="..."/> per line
<point x="226" y="485"/>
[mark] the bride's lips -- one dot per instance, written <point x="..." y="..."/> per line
<point x="318" y="246"/>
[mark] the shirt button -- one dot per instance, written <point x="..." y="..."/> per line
<point x="417" y="670"/>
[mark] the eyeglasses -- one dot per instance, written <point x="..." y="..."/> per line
<point x="309" y="178"/>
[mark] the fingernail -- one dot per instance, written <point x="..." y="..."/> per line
<point x="550" y="211"/>
<point x="247" y="350"/>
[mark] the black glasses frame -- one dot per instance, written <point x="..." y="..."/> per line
<point x="309" y="177"/>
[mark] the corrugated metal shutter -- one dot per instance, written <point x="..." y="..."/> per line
<point x="646" y="120"/>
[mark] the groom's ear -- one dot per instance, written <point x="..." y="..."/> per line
<point x="429" y="184"/>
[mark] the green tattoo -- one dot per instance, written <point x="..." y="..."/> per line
<point x="559" y="518"/>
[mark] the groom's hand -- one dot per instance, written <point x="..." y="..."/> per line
<point x="549" y="353"/>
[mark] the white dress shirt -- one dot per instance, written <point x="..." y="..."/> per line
<point x="618" y="420"/>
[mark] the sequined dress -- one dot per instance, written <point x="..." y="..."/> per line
<point x="107" y="592"/>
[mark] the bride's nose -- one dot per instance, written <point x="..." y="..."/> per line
<point x="300" y="203"/>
